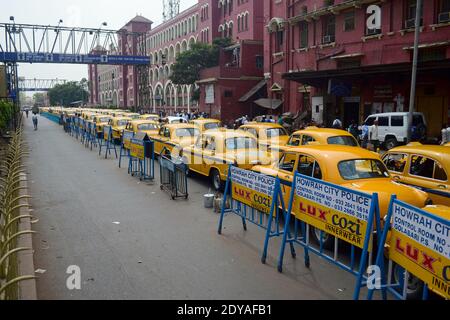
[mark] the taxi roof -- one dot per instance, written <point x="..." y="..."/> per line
<point x="228" y="133"/>
<point x="121" y="118"/>
<point x="203" y="120"/>
<point x="335" y="153"/>
<point x="441" y="153"/>
<point x="180" y="125"/>
<point x="261" y="124"/>
<point x="141" y="121"/>
<point x="328" y="132"/>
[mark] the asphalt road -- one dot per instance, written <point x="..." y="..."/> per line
<point x="162" y="249"/>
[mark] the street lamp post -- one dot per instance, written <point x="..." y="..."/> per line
<point x="414" y="69"/>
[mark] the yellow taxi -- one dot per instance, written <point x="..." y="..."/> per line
<point x="315" y="135"/>
<point x="151" y="128"/>
<point x="267" y="134"/>
<point x="118" y="124"/>
<point x="153" y="117"/>
<point x="215" y="150"/>
<point x="351" y="167"/>
<point x="426" y="167"/>
<point x="206" y="124"/>
<point x="133" y="116"/>
<point x="100" y="121"/>
<point x="174" y="135"/>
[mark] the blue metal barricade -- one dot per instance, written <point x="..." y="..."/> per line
<point x="125" y="146"/>
<point x="173" y="176"/>
<point x="332" y="211"/>
<point x="141" y="157"/>
<point x="255" y="198"/>
<point x="107" y="142"/>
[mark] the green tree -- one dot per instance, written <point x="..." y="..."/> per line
<point x="66" y="94"/>
<point x="186" y="70"/>
<point x="39" y="98"/>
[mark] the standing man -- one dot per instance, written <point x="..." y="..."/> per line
<point x="445" y="134"/>
<point x="365" y="135"/>
<point x="35" y="121"/>
<point x="373" y="135"/>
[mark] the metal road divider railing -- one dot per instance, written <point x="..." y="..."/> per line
<point x="173" y="176"/>
<point x="50" y="116"/>
<point x="11" y="205"/>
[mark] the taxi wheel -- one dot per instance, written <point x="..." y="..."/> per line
<point x="415" y="285"/>
<point x="215" y="179"/>
<point x="327" y="239"/>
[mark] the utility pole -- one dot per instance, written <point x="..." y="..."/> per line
<point x="412" y="96"/>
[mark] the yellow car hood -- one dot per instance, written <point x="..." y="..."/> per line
<point x="385" y="189"/>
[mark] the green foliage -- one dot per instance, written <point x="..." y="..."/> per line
<point x="6" y="114"/>
<point x="187" y="68"/>
<point x="65" y="94"/>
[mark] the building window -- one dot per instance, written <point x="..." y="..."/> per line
<point x="279" y="40"/>
<point x="444" y="11"/>
<point x="303" y="26"/>
<point x="410" y="20"/>
<point x="329" y="29"/>
<point x="259" y="62"/>
<point x="349" y="21"/>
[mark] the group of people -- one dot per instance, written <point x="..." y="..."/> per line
<point x="369" y="134"/>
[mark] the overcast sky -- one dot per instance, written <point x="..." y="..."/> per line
<point x="79" y="13"/>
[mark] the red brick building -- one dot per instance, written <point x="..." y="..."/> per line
<point x="320" y="55"/>
<point x="228" y="91"/>
<point x="117" y="85"/>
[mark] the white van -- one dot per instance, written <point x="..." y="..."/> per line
<point x="393" y="127"/>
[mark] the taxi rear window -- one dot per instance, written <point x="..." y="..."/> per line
<point x="343" y="140"/>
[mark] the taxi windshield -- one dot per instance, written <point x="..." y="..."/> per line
<point x="239" y="143"/>
<point x="275" y="132"/>
<point x="187" y="132"/>
<point x="103" y="120"/>
<point x="362" y="169"/>
<point x="211" y="125"/>
<point x="122" y="123"/>
<point x="343" y="140"/>
<point x="147" y="126"/>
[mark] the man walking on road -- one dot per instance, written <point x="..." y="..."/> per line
<point x="373" y="135"/>
<point x="35" y="121"/>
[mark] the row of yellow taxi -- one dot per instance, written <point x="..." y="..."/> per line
<point x="418" y="174"/>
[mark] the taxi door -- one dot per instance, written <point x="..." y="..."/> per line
<point x="286" y="170"/>
<point x="196" y="155"/>
<point x="430" y="176"/>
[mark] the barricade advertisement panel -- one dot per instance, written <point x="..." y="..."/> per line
<point x="420" y="243"/>
<point x="253" y="189"/>
<point x="341" y="212"/>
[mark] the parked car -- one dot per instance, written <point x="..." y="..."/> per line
<point x="174" y="120"/>
<point x="153" y="117"/>
<point x="351" y="167"/>
<point x="150" y="127"/>
<point x="133" y="116"/>
<point x="175" y="135"/>
<point x="393" y="127"/>
<point x="426" y="167"/>
<point x="100" y="121"/>
<point x="267" y="134"/>
<point x="118" y="124"/>
<point x="315" y="135"/>
<point x="206" y="124"/>
<point x="215" y="150"/>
